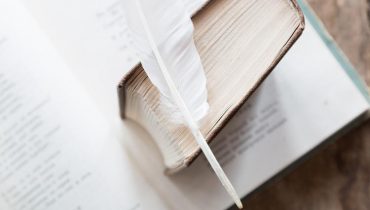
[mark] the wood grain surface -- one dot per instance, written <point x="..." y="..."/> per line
<point x="338" y="176"/>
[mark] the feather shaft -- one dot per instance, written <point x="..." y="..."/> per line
<point x="191" y="123"/>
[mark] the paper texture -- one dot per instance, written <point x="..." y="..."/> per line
<point x="57" y="151"/>
<point x="288" y="116"/>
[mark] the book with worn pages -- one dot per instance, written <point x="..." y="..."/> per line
<point x="63" y="145"/>
<point x="239" y="43"/>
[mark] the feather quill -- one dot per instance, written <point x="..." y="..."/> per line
<point x="171" y="31"/>
<point x="163" y="35"/>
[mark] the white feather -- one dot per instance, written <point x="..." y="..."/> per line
<point x="171" y="30"/>
<point x="163" y="33"/>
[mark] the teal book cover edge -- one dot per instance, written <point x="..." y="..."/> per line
<point x="335" y="50"/>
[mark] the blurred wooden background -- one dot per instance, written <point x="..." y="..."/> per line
<point x="338" y="176"/>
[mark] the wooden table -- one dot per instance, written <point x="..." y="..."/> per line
<point x="338" y="176"/>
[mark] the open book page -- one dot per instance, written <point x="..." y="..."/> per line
<point x="92" y="37"/>
<point x="305" y="100"/>
<point x="288" y="116"/>
<point x="56" y="150"/>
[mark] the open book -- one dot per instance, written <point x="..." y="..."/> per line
<point x="63" y="145"/>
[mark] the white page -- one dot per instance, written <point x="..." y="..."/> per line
<point x="56" y="150"/>
<point x="306" y="99"/>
